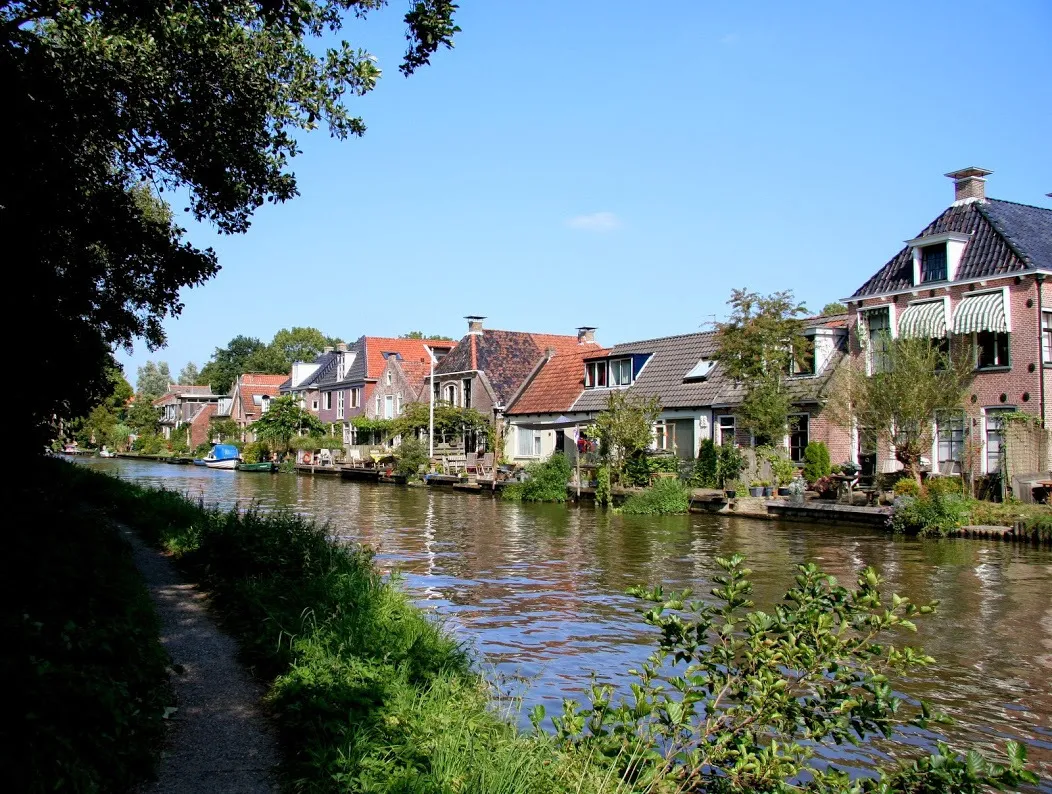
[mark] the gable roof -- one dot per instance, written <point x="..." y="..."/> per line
<point x="259" y="379"/>
<point x="556" y="386"/>
<point x="377" y="348"/>
<point x="1005" y="238"/>
<point x="507" y="357"/>
<point x="247" y="395"/>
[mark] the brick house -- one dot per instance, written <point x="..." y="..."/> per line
<point x="374" y="377"/>
<point x="487" y="368"/>
<point x="975" y="275"/>
<point x="697" y="400"/>
<point x="251" y="397"/>
<point x="187" y="410"/>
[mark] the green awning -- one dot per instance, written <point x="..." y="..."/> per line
<point x="923" y="320"/>
<point x="984" y="312"/>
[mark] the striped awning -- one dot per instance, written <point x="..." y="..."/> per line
<point x="984" y="312"/>
<point x="923" y="320"/>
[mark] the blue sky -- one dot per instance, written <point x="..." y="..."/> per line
<point x="626" y="165"/>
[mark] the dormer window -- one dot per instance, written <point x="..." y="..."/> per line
<point x="701" y="370"/>
<point x="803" y="360"/>
<point x="621" y="372"/>
<point x="595" y="375"/>
<point x="933" y="263"/>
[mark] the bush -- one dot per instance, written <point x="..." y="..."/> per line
<point x="255" y="451"/>
<point x="668" y="496"/>
<point x="731" y="464"/>
<point x="547" y="482"/>
<point x="816" y="462"/>
<point x="603" y="493"/>
<point x="782" y="469"/>
<point x="907" y="486"/>
<point x="826" y="487"/>
<point x="202" y="449"/>
<point x="311" y="443"/>
<point x="639" y="470"/>
<point x="931" y="514"/>
<point x="149" y="444"/>
<point x="944" y="485"/>
<point x="411" y="454"/>
<point x="707" y="466"/>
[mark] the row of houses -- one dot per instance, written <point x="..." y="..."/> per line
<point x="976" y="272"/>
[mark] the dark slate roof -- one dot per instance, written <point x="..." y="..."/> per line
<point x="672" y="357"/>
<point x="1005" y="238"/>
<point x="323" y="362"/>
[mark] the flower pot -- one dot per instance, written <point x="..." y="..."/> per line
<point x="756" y="491"/>
<point x="730" y="493"/>
<point x="783" y="491"/>
<point x="768" y="490"/>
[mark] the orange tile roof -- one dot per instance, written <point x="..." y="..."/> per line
<point x="248" y="407"/>
<point x="408" y="349"/>
<point x="259" y="379"/>
<point x="558" y="384"/>
<point x="560" y="343"/>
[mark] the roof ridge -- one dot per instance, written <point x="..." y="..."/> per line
<point x="1017" y="203"/>
<point x="663" y="338"/>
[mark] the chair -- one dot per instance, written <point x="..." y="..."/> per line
<point x="355" y="458"/>
<point x="325" y="457"/>
<point x="471" y="463"/>
<point x="486" y="466"/>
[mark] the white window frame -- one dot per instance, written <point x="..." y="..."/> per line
<point x="663" y="435"/>
<point x="314" y="405"/>
<point x="389" y="406"/>
<point x="619" y="363"/>
<point x="720" y="426"/>
<point x="356" y="397"/>
<point x="398" y="405"/>
<point x="388" y="377"/>
<point x="987" y="411"/>
<point x="327" y="400"/>
<point x="1046" y="336"/>
<point x="591" y="374"/>
<point x="863" y="320"/>
<point x="527" y="443"/>
<point x="947" y="421"/>
<point x="347" y="433"/>
<point x="992" y="367"/>
<point x="449" y="392"/>
<point x="339" y="404"/>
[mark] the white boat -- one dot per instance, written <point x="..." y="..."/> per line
<point x="107" y="453"/>
<point x="222" y="456"/>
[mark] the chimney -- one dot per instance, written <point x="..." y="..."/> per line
<point x="342" y="347"/>
<point x="474" y="323"/>
<point x="586" y="335"/>
<point x="327" y="349"/>
<point x="969" y="184"/>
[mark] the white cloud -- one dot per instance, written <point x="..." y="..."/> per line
<point x="595" y="222"/>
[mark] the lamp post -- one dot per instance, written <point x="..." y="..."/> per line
<point x="431" y="408"/>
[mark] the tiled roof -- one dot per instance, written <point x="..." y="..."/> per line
<point x="248" y="406"/>
<point x="507" y="357"/>
<point x="1005" y="238"/>
<point x="557" y="385"/>
<point x="377" y="346"/>
<point x="259" y="379"/>
<point x="672" y="357"/>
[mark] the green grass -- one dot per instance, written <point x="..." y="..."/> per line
<point x="85" y="669"/>
<point x="667" y="496"/>
<point x="370" y="695"/>
<point x="1035" y="520"/>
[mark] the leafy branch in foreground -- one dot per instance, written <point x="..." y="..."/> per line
<point x="737" y="701"/>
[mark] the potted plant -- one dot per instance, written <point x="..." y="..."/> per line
<point x="796" y="490"/>
<point x="849" y="468"/>
<point x="768" y="488"/>
<point x="730" y="491"/>
<point x="756" y="488"/>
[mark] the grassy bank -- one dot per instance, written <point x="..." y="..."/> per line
<point x="369" y="694"/>
<point x="86" y="671"/>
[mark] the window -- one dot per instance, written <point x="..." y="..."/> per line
<point x="529" y="443"/>
<point x="664" y="436"/>
<point x="725" y="430"/>
<point x="356" y="397"/>
<point x="378" y="414"/>
<point x="467" y="392"/>
<point x="798" y="437"/>
<point x="327" y="400"/>
<point x="339" y="404"/>
<point x="991" y="350"/>
<point x="621" y="372"/>
<point x="1046" y="337"/>
<point x="878" y="331"/>
<point x="388" y="377"/>
<point x="314" y="405"/>
<point x="450" y="392"/>
<point x="803" y="361"/>
<point x="994" y="438"/>
<point x="398" y="407"/>
<point x="595" y="375"/>
<point x="933" y="263"/>
<point x="950" y="431"/>
<point x="347" y="433"/>
<point x="341" y="366"/>
<point x="389" y="407"/>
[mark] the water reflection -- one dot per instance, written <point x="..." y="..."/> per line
<point x="539" y="589"/>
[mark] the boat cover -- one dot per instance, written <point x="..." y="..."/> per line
<point x="225" y="452"/>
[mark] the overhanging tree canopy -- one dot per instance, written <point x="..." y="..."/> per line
<point x="107" y="105"/>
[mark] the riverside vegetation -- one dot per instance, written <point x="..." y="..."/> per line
<point x="370" y="695"/>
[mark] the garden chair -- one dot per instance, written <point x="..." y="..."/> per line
<point x="471" y="463"/>
<point x="355" y="458"/>
<point x="486" y="466"/>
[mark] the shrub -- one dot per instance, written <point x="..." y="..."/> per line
<point x="255" y="451"/>
<point x="731" y="464"/>
<point x="148" y="444"/>
<point x="639" y="470"/>
<point x="825" y="487"/>
<point x="202" y="449"/>
<point x="782" y="468"/>
<point x="603" y="494"/>
<point x="816" y="461"/>
<point x="707" y="465"/>
<point x="547" y="482"/>
<point x="932" y="514"/>
<point x="411" y="454"/>
<point x="667" y="496"/>
<point x="907" y="486"/>
<point x="944" y="485"/>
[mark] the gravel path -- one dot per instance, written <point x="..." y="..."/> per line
<point x="220" y="741"/>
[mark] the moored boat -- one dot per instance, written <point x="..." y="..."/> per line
<point x="262" y="466"/>
<point x="222" y="456"/>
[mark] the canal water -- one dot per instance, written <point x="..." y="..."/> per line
<point x="538" y="590"/>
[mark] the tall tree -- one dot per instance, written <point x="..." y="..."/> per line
<point x="917" y="380"/>
<point x="283" y="420"/>
<point x="625" y="428"/>
<point x="107" y="105"/>
<point x="757" y="346"/>
<point x="153" y="379"/>
<point x="229" y="362"/>
<point x="299" y="344"/>
<point x="836" y="307"/>
<point x="189" y="375"/>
